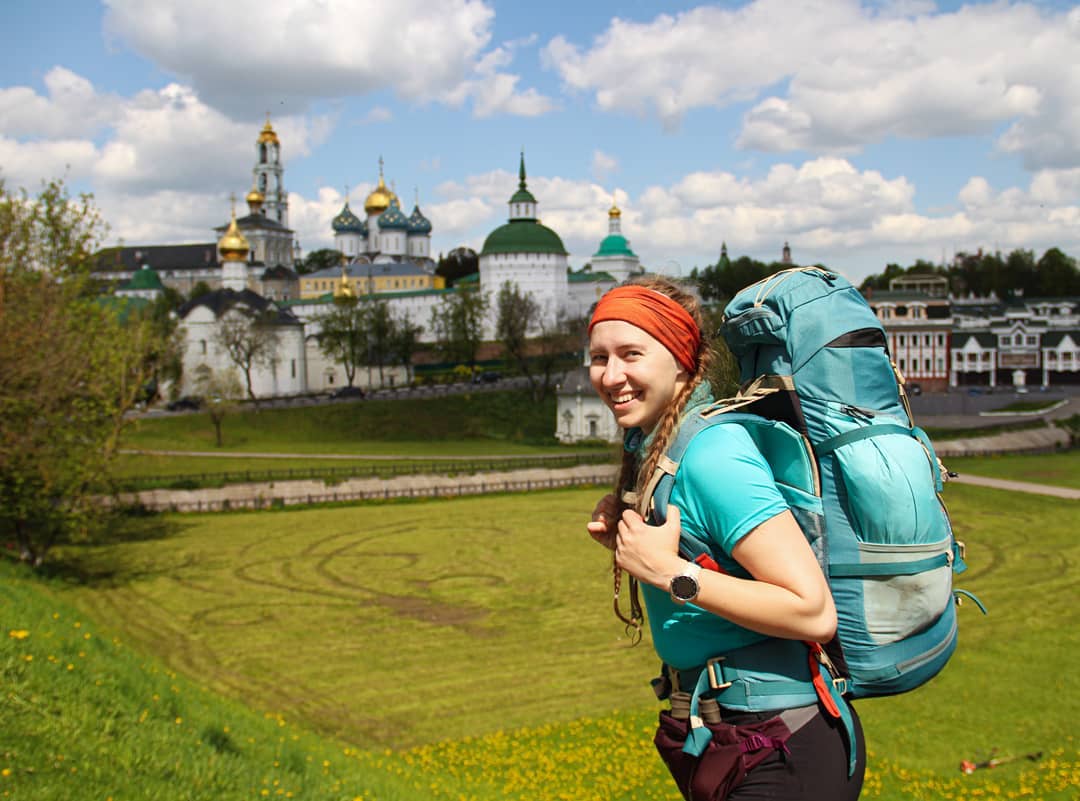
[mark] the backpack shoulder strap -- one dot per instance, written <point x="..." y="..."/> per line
<point x="787" y="452"/>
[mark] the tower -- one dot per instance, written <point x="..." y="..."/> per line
<point x="269" y="175"/>
<point x="614" y="255"/>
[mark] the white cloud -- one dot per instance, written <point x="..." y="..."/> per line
<point x="28" y="164"/>
<point x="248" y="55"/>
<point x="377" y="115"/>
<point x="492" y="92"/>
<point x="157" y="140"/>
<point x="72" y="109"/>
<point x="834" y="76"/>
<point x="603" y="165"/>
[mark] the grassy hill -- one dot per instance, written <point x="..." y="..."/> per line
<point x="465" y="647"/>
<point x="499" y="421"/>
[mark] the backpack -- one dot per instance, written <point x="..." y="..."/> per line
<point x="826" y="407"/>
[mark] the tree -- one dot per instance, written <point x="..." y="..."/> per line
<point x="719" y="283"/>
<point x="457" y="264"/>
<point x="201" y="288"/>
<point x="380" y="335"/>
<point x="537" y="357"/>
<point x="516" y="313"/>
<point x="319" y="260"/>
<point x="344" y="335"/>
<point x="73" y="366"/>
<point x="457" y="324"/>
<point x="220" y="391"/>
<point x="250" y="339"/>
<point x="403" y="342"/>
<point x="1057" y="275"/>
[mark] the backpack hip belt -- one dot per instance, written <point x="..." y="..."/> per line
<point x="747" y="680"/>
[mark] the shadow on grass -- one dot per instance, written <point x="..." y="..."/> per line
<point x="98" y="562"/>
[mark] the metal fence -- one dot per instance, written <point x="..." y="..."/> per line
<point x="387" y="469"/>
<point x="387" y="492"/>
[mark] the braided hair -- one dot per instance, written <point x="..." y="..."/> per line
<point x="632" y="475"/>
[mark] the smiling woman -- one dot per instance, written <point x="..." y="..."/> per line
<point x="768" y="596"/>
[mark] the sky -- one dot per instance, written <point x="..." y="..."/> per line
<point x="861" y="133"/>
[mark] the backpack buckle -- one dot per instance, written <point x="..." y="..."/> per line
<point x="716" y="673"/>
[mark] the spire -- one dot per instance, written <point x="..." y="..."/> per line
<point x="521" y="171"/>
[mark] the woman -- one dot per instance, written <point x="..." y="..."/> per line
<point x="648" y="363"/>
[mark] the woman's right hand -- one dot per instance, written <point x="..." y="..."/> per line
<point x="605" y="521"/>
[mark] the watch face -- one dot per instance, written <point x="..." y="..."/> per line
<point x="685" y="588"/>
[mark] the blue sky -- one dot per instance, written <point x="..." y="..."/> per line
<point x="860" y="133"/>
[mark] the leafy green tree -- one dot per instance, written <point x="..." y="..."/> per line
<point x="1057" y="275"/>
<point x="343" y="336"/>
<point x="537" y="344"/>
<point x="319" y="260"/>
<point x="250" y="340"/>
<point x="221" y="392"/>
<point x="404" y="340"/>
<point x="380" y="335"/>
<point x="457" y="264"/>
<point x="719" y="283"/>
<point x="457" y="323"/>
<point x="201" y="288"/>
<point x="516" y="313"/>
<point x="72" y="365"/>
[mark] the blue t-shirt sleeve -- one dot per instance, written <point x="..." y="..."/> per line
<point x="724" y="487"/>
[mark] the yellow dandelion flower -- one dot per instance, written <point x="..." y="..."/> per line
<point x="179" y="721"/>
<point x="5" y="772"/>
<point x="18" y="634"/>
<point x="70" y="666"/>
<point x="29" y="657"/>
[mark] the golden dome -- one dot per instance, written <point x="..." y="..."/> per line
<point x="344" y="289"/>
<point x="232" y="245"/>
<point x="379" y="199"/>
<point x="255" y="197"/>
<point x="267" y="133"/>
<point x="614" y="211"/>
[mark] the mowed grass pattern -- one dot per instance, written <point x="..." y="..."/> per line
<point x="470" y="643"/>
<point x="393" y="624"/>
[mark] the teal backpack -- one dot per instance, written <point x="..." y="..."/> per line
<point x="826" y="407"/>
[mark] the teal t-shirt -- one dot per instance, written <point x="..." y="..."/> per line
<point x="724" y="489"/>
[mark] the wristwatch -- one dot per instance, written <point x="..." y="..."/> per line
<point x="685" y="586"/>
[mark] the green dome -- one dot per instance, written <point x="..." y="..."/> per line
<point x="144" y="279"/>
<point x="523" y="195"/>
<point x="523" y="236"/>
<point x="615" y="245"/>
<point x="348" y="223"/>
<point x="393" y="218"/>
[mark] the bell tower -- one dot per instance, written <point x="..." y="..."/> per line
<point x="269" y="175"/>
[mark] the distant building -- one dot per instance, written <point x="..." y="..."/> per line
<point x="580" y="414"/>
<point x="273" y="250"/>
<point x="200" y="324"/>
<point x="919" y="329"/>
<point x="940" y="341"/>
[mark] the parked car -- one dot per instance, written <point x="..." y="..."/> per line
<point x="486" y="377"/>
<point x="347" y="392"/>
<point x="914" y="389"/>
<point x="188" y="403"/>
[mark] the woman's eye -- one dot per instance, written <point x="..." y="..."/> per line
<point x="599" y="360"/>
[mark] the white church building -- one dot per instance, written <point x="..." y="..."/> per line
<point x="386" y="242"/>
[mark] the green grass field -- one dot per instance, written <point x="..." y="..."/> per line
<point x="466" y="647"/>
<point x="480" y="423"/>
<point x="1061" y="469"/>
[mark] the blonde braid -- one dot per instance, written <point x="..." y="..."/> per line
<point x="631" y="475"/>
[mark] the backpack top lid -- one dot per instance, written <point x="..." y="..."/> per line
<point x="801" y="310"/>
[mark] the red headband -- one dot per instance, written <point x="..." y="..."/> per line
<point x="657" y="315"/>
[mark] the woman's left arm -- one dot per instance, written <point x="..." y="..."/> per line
<point x="787" y="597"/>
